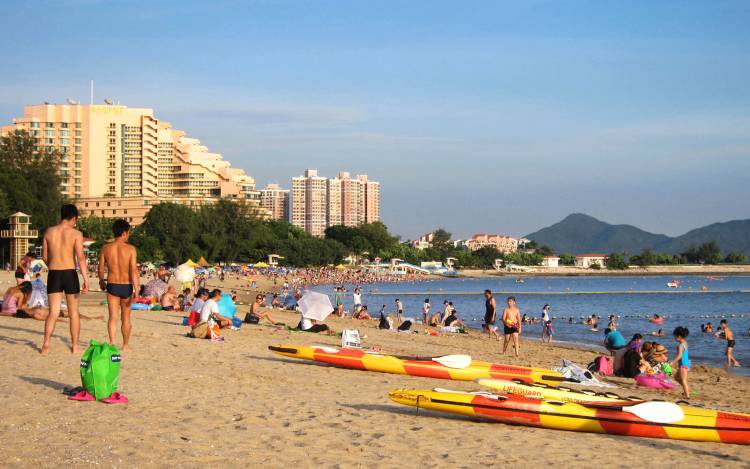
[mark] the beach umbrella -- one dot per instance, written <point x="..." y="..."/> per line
<point x="341" y="267"/>
<point x="156" y="288"/>
<point x="184" y="273"/>
<point x="261" y="265"/>
<point x="315" y="305"/>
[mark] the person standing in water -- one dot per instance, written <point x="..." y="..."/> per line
<point x="512" y="326"/>
<point x="426" y="311"/>
<point x="62" y="246"/>
<point x="729" y="337"/>
<point x="545" y="319"/>
<point x="122" y="282"/>
<point x="490" y="315"/>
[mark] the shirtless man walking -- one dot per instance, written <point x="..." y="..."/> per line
<point x="62" y="246"/>
<point x="512" y="325"/>
<point x="122" y="282"/>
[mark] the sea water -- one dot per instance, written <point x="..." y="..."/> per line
<point x="634" y="299"/>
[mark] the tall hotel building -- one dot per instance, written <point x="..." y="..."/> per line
<point x="318" y="202"/>
<point x="276" y="200"/>
<point x="117" y="161"/>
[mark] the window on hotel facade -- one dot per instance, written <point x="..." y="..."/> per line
<point x="49" y="125"/>
<point x="112" y="125"/>
<point x="35" y="125"/>
<point x="78" y="141"/>
<point x="49" y="133"/>
<point x="64" y="125"/>
<point x="78" y="125"/>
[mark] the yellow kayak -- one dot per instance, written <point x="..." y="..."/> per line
<point x="644" y="419"/>
<point x="562" y="394"/>
<point x="437" y="367"/>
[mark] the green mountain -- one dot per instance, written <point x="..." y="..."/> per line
<point x="579" y="233"/>
<point x="731" y="236"/>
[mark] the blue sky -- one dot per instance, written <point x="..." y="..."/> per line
<point x="474" y="116"/>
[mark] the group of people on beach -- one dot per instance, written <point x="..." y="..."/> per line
<point x="62" y="252"/>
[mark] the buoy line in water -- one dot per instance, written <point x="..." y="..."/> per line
<point x="615" y="292"/>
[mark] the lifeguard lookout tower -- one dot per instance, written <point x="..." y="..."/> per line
<point x="20" y="233"/>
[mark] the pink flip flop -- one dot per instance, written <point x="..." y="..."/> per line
<point x="115" y="398"/>
<point x="81" y="396"/>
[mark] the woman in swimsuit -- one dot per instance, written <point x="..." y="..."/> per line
<point x="682" y="361"/>
<point x="15" y="302"/>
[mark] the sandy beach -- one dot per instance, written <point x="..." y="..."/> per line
<point x="194" y="403"/>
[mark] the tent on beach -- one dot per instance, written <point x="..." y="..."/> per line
<point x="191" y="263"/>
<point x="203" y="262"/>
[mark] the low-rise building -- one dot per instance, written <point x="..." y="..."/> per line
<point x="551" y="261"/>
<point x="500" y="242"/>
<point x="587" y="260"/>
<point x="423" y="242"/>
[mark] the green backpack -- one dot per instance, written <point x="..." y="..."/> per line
<point x="100" y="368"/>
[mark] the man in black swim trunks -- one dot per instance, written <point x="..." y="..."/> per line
<point x="490" y="315"/>
<point x="62" y="246"/>
<point x="122" y="282"/>
<point x="729" y="337"/>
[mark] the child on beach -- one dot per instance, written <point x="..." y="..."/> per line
<point x="681" y="364"/>
<point x="547" y="331"/>
<point x="729" y="337"/>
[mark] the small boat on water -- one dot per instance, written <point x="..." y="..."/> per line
<point x="674" y="284"/>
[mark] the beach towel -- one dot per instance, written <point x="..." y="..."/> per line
<point x="38" y="297"/>
<point x="100" y="369"/>
<point x="584" y="376"/>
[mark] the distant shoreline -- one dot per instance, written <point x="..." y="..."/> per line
<point x="654" y="271"/>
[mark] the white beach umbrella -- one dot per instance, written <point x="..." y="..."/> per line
<point x="315" y="305"/>
<point x="184" y="273"/>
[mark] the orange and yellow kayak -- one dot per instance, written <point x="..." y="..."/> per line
<point x="694" y="423"/>
<point x="425" y="367"/>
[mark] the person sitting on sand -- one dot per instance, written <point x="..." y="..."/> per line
<point x="311" y="325"/>
<point x="15" y="303"/>
<point x="452" y="320"/>
<point x="613" y="340"/>
<point x="256" y="313"/>
<point x="186" y="300"/>
<point x="169" y="300"/>
<point x="210" y="310"/>
<point x="363" y="314"/>
<point x="275" y="301"/>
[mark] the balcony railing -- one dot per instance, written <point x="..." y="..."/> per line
<point x="19" y="234"/>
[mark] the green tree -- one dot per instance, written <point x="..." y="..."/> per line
<point x="735" y="258"/>
<point x="96" y="228"/>
<point x="616" y="261"/>
<point x="440" y="237"/>
<point x="567" y="259"/>
<point x="29" y="179"/>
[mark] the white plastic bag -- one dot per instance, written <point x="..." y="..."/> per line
<point x="350" y="339"/>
